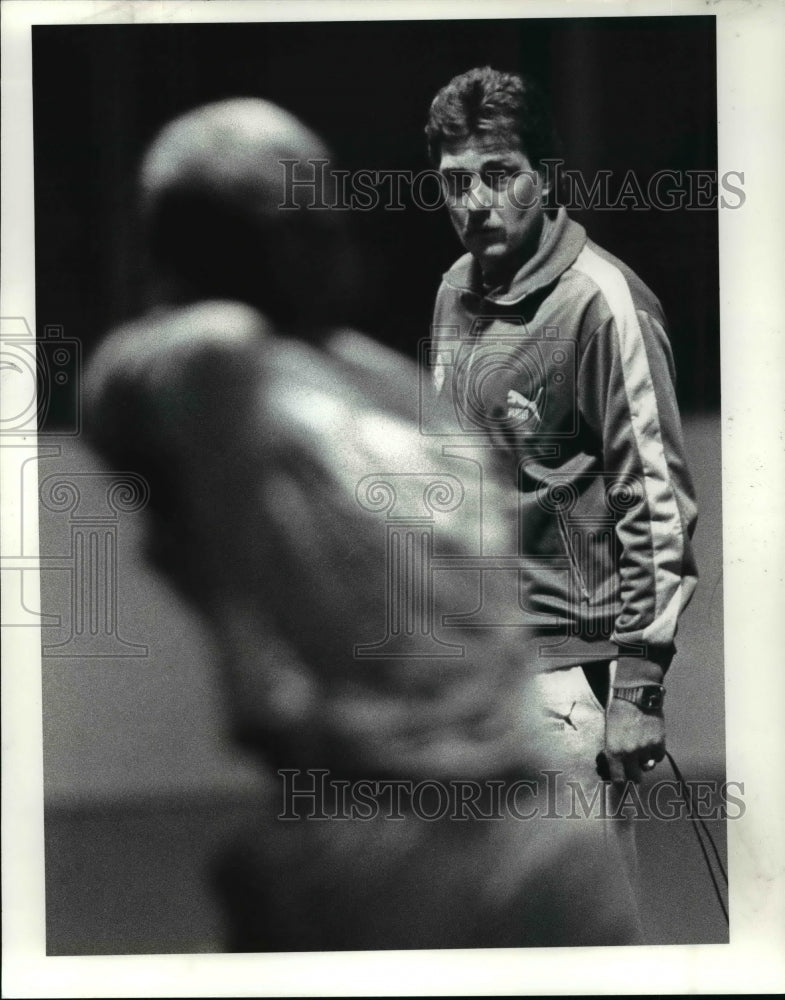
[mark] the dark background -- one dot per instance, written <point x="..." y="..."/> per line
<point x="627" y="93"/>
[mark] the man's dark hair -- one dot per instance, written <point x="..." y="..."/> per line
<point x="486" y="101"/>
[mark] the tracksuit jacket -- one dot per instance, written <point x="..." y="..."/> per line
<point x="568" y="368"/>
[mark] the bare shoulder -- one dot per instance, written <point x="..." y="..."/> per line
<point x="165" y="343"/>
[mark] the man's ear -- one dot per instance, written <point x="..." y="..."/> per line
<point x="544" y="182"/>
<point x="551" y="179"/>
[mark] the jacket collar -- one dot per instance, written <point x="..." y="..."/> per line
<point x="558" y="252"/>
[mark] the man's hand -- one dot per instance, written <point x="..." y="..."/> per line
<point x="633" y="739"/>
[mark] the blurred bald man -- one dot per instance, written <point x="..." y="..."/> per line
<point x="212" y="184"/>
<point x="274" y="440"/>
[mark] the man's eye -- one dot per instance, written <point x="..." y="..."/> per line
<point x="459" y="183"/>
<point x="495" y="179"/>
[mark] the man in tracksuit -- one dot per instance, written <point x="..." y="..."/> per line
<point x="559" y="353"/>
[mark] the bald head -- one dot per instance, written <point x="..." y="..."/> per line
<point x="212" y="184"/>
<point x="232" y="150"/>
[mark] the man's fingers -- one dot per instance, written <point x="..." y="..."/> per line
<point x="621" y="769"/>
<point x="633" y="769"/>
<point x="616" y="770"/>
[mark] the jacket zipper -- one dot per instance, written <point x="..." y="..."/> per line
<point x="571" y="556"/>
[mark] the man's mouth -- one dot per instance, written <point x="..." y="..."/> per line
<point x="485" y="234"/>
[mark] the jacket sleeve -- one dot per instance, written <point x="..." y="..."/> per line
<point x="627" y="398"/>
<point x="441" y="330"/>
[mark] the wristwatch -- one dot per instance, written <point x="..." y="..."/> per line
<point x="647" y="697"/>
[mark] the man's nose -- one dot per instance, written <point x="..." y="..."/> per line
<point x="480" y="197"/>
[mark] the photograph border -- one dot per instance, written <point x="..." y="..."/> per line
<point x="751" y="81"/>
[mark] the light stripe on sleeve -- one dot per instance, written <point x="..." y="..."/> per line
<point x="666" y="527"/>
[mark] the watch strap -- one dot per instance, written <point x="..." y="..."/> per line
<point x="647" y="697"/>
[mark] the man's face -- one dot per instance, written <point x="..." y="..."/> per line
<point x="494" y="198"/>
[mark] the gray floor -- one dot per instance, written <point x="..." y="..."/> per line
<point x="136" y="880"/>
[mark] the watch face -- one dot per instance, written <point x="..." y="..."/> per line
<point x="651" y="698"/>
